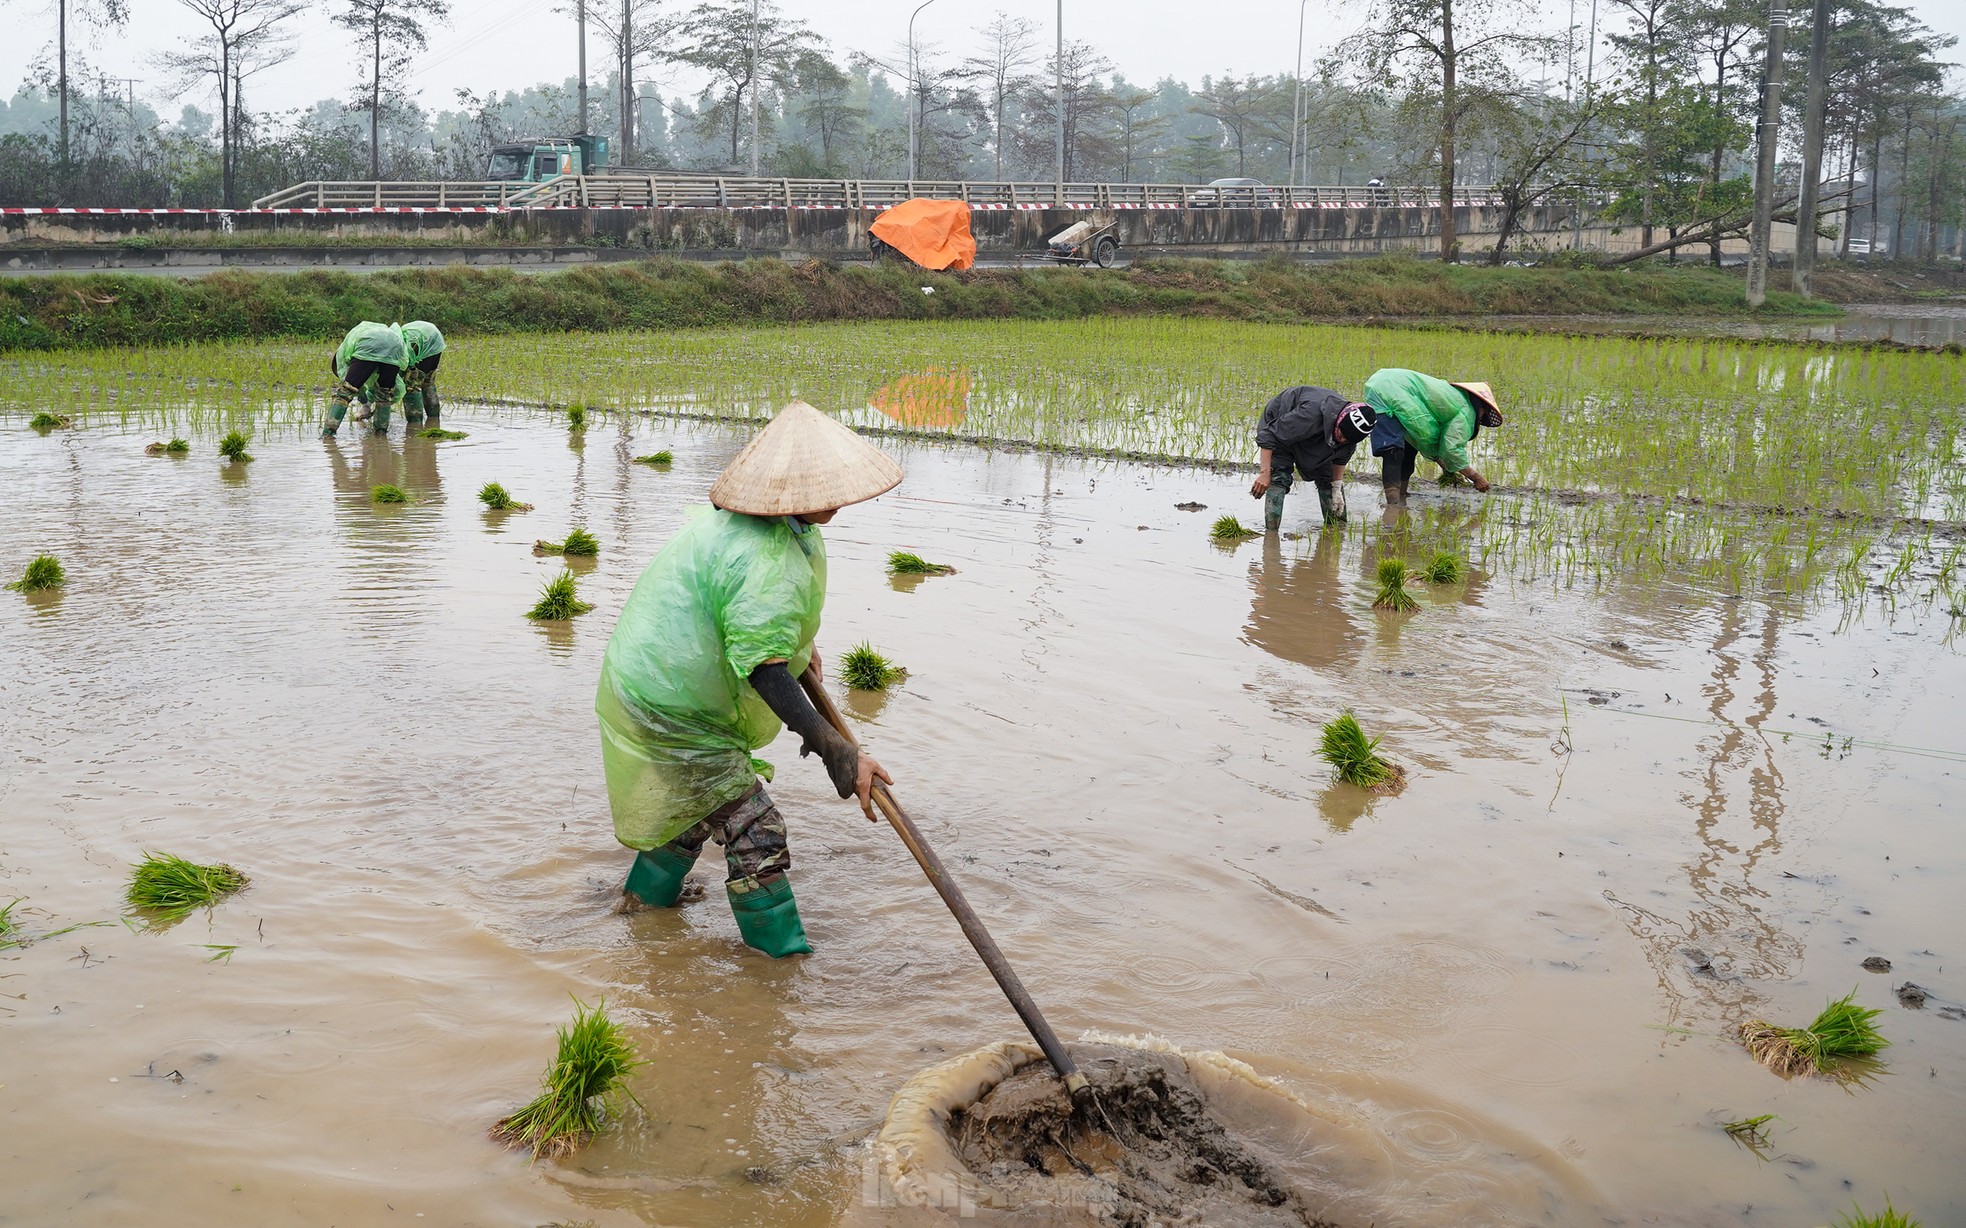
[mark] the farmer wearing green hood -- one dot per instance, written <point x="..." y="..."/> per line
<point x="423" y="348"/>
<point x="1418" y="414"/>
<point x="370" y="360"/>
<point x="703" y="668"/>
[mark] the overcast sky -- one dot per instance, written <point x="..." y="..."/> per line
<point x="510" y="44"/>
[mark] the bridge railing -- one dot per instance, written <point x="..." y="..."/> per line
<point x="621" y="190"/>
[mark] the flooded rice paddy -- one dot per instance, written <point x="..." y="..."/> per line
<point x="1671" y="767"/>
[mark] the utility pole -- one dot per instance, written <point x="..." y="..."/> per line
<point x="1812" y="147"/>
<point x="627" y="151"/>
<point x="61" y="52"/>
<point x="1766" y="134"/>
<point x="1058" y="71"/>
<point x="914" y="86"/>
<point x="1297" y="108"/>
<point x="580" y="22"/>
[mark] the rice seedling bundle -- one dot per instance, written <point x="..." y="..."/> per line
<point x="386" y="493"/>
<point x="1842" y="1030"/>
<point x="1889" y="1217"/>
<point x="1392" y="594"/>
<point x="233" y="447"/>
<point x="438" y="432"/>
<point x="1229" y="529"/>
<point x="663" y="457"/>
<point x="170" y="888"/>
<point x="1354" y="757"/>
<point x="576" y="417"/>
<point x="867" y="670"/>
<point x="10" y="936"/>
<point x="578" y="544"/>
<point x="498" y="499"/>
<point x="176" y="447"/>
<point x="902" y="563"/>
<point x="45" y="421"/>
<point x="579" y="1092"/>
<point x="43" y="571"/>
<point x="559" y="600"/>
<point x="1445" y="567"/>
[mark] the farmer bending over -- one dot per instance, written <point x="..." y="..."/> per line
<point x="1430" y="417"/>
<point x="1311" y="430"/>
<point x="423" y="348"/>
<point x="369" y="361"/>
<point x="704" y="666"/>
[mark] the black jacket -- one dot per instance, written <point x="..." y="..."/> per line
<point x="1296" y="427"/>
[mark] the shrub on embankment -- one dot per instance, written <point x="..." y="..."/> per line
<point x="62" y="312"/>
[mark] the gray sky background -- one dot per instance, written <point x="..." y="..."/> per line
<point x="507" y="44"/>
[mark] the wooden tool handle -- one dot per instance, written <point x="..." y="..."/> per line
<point x="952" y="895"/>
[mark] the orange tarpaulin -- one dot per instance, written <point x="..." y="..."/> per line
<point x="934" y="397"/>
<point x="932" y="233"/>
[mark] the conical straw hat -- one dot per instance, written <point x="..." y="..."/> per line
<point x="1479" y="390"/>
<point x="803" y="462"/>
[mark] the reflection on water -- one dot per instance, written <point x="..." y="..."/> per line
<point x="1109" y="731"/>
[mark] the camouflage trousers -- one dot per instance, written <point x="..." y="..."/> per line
<point x="752" y="834"/>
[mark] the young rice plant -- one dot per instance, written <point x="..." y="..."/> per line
<point x="559" y="600"/>
<point x="386" y="493"/>
<point x="45" y="421"/>
<point x="1392" y="593"/>
<point x="43" y="572"/>
<point x="902" y="563"/>
<point x="579" y="1091"/>
<point x="438" y="432"/>
<point x="496" y="498"/>
<point x="1446" y="567"/>
<point x="1889" y="1217"/>
<point x="233" y="447"/>
<point x="1230" y="530"/>
<point x="1843" y="1030"/>
<point x="176" y="447"/>
<point x="170" y="888"/>
<point x="1354" y="758"/>
<point x="867" y="670"/>
<point x="656" y="458"/>
<point x="579" y="544"/>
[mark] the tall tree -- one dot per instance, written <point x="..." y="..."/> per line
<point x="633" y="31"/>
<point x="1086" y="101"/>
<point x="1245" y="108"/>
<point x="740" y="51"/>
<point x="1457" y="57"/>
<point x="244" y="39"/>
<point x="392" y="32"/>
<point x="1137" y="127"/>
<point x="1000" y="71"/>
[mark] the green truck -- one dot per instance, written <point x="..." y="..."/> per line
<point x="539" y="159"/>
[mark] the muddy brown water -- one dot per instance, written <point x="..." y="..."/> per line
<point x="1107" y="730"/>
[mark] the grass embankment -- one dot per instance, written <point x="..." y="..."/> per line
<point x="63" y="312"/>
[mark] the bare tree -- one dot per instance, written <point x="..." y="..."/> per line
<point x="1136" y="127"/>
<point x="1085" y="101"/>
<point x="1001" y="71"/>
<point x="1243" y="108"/>
<point x="244" y="40"/>
<point x="392" y="33"/>
<point x="1455" y="55"/>
<point x="740" y="52"/>
<point x="634" y="31"/>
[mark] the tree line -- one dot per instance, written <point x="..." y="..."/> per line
<point x="1651" y="115"/>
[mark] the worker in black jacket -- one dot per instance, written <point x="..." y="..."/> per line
<point x="1311" y="431"/>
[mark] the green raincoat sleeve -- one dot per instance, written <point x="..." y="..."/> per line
<point x="1438" y="419"/>
<point x="679" y="718"/>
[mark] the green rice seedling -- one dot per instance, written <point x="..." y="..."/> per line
<point x="576" y="417"/>
<point x="867" y="670"/>
<point x="496" y="498"/>
<point x="902" y="563"/>
<point x="45" y="421"/>
<point x="1392" y="593"/>
<point x="1843" y="1030"/>
<point x="233" y="447"/>
<point x="656" y="458"/>
<point x="1889" y="1217"/>
<point x="10" y="935"/>
<point x="582" y="1088"/>
<point x="1354" y="758"/>
<point x="579" y="544"/>
<point x="176" y="447"/>
<point x="43" y="572"/>
<point x="1445" y="568"/>
<point x="559" y="600"/>
<point x="1229" y="529"/>
<point x="386" y="493"/>
<point x="1748" y="1127"/>
<point x="438" y="432"/>
<point x="171" y="888"/>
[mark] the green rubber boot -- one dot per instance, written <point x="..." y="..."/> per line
<point x="338" y="402"/>
<point x="656" y="878"/>
<point x="413" y="408"/>
<point x="768" y="917"/>
<point x="1273" y="507"/>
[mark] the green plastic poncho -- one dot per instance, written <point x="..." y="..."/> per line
<point x="371" y="342"/>
<point x="1438" y="418"/>
<point x="679" y="718"/>
<point x="420" y="340"/>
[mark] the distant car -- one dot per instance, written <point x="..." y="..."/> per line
<point x="1234" y="193"/>
<point x="1866" y="247"/>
